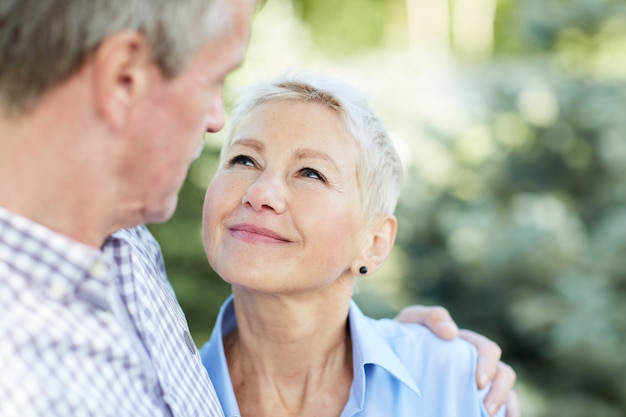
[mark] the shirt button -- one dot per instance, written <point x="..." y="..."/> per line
<point x="98" y="269"/>
<point x="58" y="289"/>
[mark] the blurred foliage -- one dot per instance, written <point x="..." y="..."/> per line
<point x="356" y="24"/>
<point x="515" y="220"/>
<point x="526" y="243"/>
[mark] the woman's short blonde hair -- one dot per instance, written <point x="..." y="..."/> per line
<point x="380" y="173"/>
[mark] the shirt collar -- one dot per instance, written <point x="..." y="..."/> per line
<point x="369" y="348"/>
<point x="214" y="358"/>
<point x="57" y="265"/>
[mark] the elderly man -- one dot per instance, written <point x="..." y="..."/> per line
<point x="103" y="105"/>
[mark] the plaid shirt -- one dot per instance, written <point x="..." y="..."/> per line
<point x="87" y="333"/>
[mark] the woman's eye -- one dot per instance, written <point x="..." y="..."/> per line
<point x="241" y="160"/>
<point x="311" y="173"/>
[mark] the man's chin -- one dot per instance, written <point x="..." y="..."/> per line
<point x="163" y="213"/>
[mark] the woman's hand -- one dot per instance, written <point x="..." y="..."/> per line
<point x="489" y="369"/>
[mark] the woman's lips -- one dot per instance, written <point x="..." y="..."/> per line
<point x="254" y="234"/>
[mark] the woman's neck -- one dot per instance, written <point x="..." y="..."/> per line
<point x="290" y="356"/>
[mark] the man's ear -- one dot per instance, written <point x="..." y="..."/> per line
<point x="122" y="67"/>
<point x="379" y="242"/>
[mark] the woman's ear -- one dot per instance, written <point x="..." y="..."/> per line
<point x="379" y="242"/>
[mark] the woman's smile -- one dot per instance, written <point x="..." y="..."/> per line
<point x="253" y="234"/>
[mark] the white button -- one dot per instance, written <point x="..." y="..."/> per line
<point x="58" y="289"/>
<point x="98" y="269"/>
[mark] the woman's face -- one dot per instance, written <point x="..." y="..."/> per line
<point x="284" y="214"/>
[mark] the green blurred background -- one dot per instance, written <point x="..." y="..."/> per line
<point x="511" y="119"/>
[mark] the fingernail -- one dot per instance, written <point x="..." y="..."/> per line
<point x="492" y="408"/>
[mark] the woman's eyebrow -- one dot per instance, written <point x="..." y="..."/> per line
<point x="255" y="144"/>
<point x="307" y="153"/>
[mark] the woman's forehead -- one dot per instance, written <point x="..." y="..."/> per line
<point x="301" y="116"/>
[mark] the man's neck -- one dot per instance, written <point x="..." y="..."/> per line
<point x="45" y="178"/>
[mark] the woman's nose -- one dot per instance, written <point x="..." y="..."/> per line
<point x="267" y="192"/>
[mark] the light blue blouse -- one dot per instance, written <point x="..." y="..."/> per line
<point x="399" y="370"/>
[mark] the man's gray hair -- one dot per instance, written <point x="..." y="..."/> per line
<point x="43" y="42"/>
<point x="379" y="172"/>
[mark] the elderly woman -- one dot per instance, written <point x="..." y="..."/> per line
<point x="301" y="206"/>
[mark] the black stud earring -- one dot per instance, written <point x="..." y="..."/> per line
<point x="363" y="270"/>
